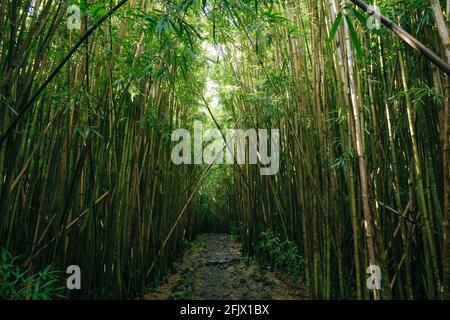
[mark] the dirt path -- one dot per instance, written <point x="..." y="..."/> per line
<point x="214" y="269"/>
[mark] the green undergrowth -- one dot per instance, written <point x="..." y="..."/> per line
<point x="279" y="255"/>
<point x="18" y="283"/>
<point x="183" y="288"/>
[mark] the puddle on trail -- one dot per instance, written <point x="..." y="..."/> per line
<point x="214" y="269"/>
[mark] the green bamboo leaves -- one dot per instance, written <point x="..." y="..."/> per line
<point x="85" y="171"/>
<point x="335" y="27"/>
<point x="351" y="188"/>
<point x="352" y="32"/>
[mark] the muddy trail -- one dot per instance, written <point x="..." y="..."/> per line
<point x="215" y="269"/>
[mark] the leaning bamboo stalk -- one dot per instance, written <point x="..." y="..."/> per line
<point x="38" y="92"/>
<point x="409" y="39"/>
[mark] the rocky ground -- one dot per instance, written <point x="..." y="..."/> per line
<point x="214" y="269"/>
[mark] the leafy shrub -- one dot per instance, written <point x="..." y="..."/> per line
<point x="234" y="231"/>
<point x="16" y="283"/>
<point x="279" y="255"/>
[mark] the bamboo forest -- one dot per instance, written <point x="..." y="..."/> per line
<point x="224" y="149"/>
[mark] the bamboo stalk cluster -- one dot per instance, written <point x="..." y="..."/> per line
<point x="364" y="164"/>
<point x="85" y="170"/>
<point x="85" y="176"/>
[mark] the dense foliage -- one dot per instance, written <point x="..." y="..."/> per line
<point x="85" y="170"/>
<point x="17" y="283"/>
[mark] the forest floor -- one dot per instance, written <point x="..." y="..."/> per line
<point x="215" y="269"/>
